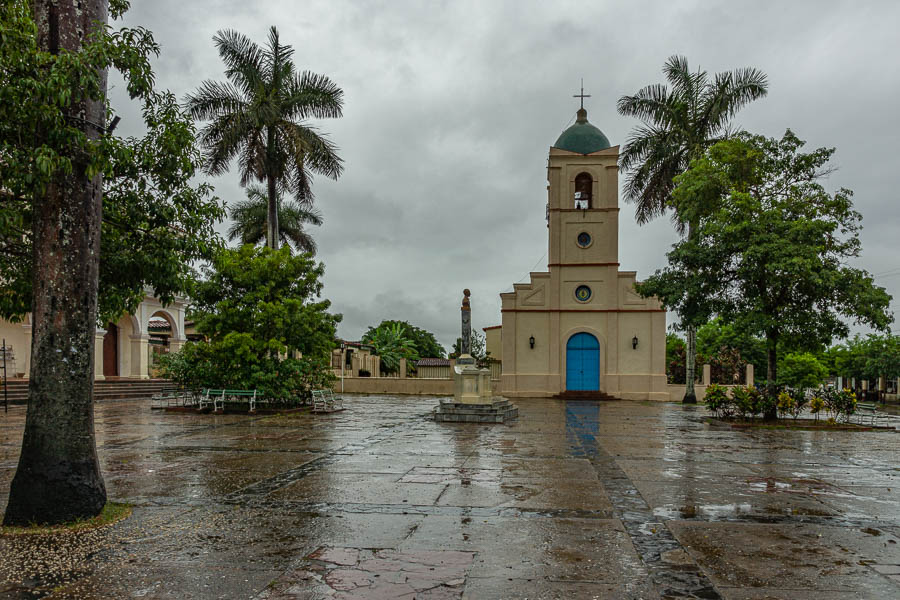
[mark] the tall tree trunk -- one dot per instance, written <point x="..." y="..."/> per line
<point x="771" y="412"/>
<point x="272" y="219"/>
<point x="58" y="477"/>
<point x="690" y="360"/>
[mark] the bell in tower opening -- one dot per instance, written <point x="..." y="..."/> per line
<point x="583" y="184"/>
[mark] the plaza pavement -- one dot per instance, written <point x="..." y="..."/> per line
<point x="573" y="500"/>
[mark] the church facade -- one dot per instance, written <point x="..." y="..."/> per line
<point x="580" y="326"/>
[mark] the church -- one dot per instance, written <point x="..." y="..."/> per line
<point x="580" y="328"/>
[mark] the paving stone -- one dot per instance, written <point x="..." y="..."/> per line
<point x="569" y="500"/>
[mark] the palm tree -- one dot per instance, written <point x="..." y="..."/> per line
<point x="260" y="116"/>
<point x="679" y="124"/>
<point x="250" y="217"/>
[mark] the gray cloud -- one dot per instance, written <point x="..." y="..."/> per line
<point x="451" y="108"/>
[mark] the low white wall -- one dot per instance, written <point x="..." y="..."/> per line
<point x="412" y="386"/>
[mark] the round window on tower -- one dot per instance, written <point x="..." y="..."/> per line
<point x="584" y="239"/>
<point x="582" y="293"/>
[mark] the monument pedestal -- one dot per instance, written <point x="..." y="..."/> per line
<point x="472" y="400"/>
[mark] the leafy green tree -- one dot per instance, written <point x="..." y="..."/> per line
<point x="675" y="358"/>
<point x="716" y="347"/>
<point x="249" y="218"/>
<point x="866" y="358"/>
<point x="259" y="309"/>
<point x="717" y="337"/>
<point x="801" y="371"/>
<point x="424" y="341"/>
<point x="882" y="357"/>
<point x="679" y="123"/>
<point x="82" y="208"/>
<point x="847" y="359"/>
<point x="261" y="116"/>
<point x="772" y="255"/>
<point x="393" y="343"/>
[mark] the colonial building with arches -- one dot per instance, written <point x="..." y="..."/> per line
<point x="580" y="326"/>
<point x="122" y="349"/>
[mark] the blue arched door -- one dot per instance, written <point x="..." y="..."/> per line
<point x="582" y="362"/>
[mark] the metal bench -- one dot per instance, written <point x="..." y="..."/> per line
<point x="217" y="399"/>
<point x="868" y="411"/>
<point x="170" y="397"/>
<point x="325" y="401"/>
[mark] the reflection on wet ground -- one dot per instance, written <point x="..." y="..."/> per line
<point x="573" y="500"/>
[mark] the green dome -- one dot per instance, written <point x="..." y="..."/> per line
<point x="582" y="137"/>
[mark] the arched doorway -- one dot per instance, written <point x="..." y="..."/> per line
<point x="111" y="351"/>
<point x="583" y="362"/>
<point x="161" y="329"/>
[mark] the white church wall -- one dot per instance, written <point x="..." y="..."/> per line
<point x="18" y="337"/>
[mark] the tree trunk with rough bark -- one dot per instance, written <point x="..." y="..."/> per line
<point x="58" y="477"/>
<point x="272" y="220"/>
<point x="690" y="359"/>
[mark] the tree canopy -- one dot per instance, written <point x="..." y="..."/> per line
<point x="393" y="342"/>
<point x="249" y="216"/>
<point x="868" y="357"/>
<point x="156" y="220"/>
<point x="258" y="309"/>
<point x="260" y="116"/>
<point x="772" y="249"/>
<point x="424" y="341"/>
<point x="679" y="123"/>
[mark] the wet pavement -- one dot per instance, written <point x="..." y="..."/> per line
<point x="573" y="500"/>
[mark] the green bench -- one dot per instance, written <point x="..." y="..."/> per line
<point x="868" y="410"/>
<point x="217" y="399"/>
<point x="324" y="401"/>
<point x="169" y="397"/>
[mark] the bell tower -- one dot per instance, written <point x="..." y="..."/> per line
<point x="580" y="327"/>
<point x="583" y="214"/>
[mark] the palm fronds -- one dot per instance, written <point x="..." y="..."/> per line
<point x="679" y="121"/>
<point x="250" y="216"/>
<point x="259" y="117"/>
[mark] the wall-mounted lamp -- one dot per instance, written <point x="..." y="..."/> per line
<point x="531" y="342"/>
<point x="634" y="342"/>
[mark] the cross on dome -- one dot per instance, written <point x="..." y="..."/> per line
<point x="582" y="95"/>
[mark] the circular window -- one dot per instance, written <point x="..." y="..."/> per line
<point x="582" y="293"/>
<point x="584" y="239"/>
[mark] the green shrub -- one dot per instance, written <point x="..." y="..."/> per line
<point x="259" y="308"/>
<point x="816" y="405"/>
<point x="717" y="401"/>
<point x="230" y="364"/>
<point x="840" y="404"/>
<point x="746" y="401"/>
<point x="789" y="406"/>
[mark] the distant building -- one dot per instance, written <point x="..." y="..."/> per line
<point x="127" y="348"/>
<point x="349" y="358"/>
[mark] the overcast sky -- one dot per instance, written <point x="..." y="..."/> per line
<point x="451" y="107"/>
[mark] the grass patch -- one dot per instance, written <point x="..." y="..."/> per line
<point x="798" y="425"/>
<point x="113" y="512"/>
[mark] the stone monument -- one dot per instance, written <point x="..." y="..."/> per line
<point x="472" y="398"/>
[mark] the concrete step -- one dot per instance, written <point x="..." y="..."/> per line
<point x="583" y="395"/>
<point x="117" y="389"/>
